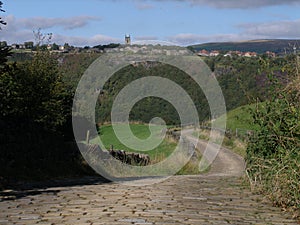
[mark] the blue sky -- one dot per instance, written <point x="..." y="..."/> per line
<point x="185" y="22"/>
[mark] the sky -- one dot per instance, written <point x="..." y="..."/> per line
<point x="183" y="22"/>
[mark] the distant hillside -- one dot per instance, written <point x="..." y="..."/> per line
<point x="279" y="46"/>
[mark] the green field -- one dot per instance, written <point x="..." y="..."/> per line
<point x="108" y="138"/>
<point x="239" y="118"/>
<point x="166" y="148"/>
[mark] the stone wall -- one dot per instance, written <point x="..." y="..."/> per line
<point x="130" y="158"/>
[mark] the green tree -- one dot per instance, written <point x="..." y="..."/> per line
<point x="34" y="91"/>
<point x="1" y="10"/>
<point x="4" y="49"/>
<point x="44" y="91"/>
<point x="55" y="47"/>
<point x="10" y="93"/>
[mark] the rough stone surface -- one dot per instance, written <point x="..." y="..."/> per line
<point x="217" y="197"/>
<point x="205" y="199"/>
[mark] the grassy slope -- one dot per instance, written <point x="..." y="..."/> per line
<point x="239" y="118"/>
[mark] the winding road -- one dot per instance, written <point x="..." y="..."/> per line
<point x="223" y="161"/>
<point x="216" y="197"/>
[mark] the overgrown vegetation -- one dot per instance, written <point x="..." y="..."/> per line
<point x="273" y="155"/>
<point x="35" y="112"/>
<point x="35" y="138"/>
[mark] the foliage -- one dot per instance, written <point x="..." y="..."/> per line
<point x="150" y="107"/>
<point x="273" y="155"/>
<point x="35" y="107"/>
<point x="237" y="78"/>
<point x="4" y="50"/>
<point x="29" y="152"/>
<point x="241" y="79"/>
<point x="103" y="47"/>
<point x="34" y="90"/>
<point x="1" y="10"/>
<point x="73" y="66"/>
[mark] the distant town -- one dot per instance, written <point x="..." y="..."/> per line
<point x="127" y="46"/>
<point x="215" y="53"/>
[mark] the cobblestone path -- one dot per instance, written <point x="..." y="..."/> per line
<point x="178" y="200"/>
<point x="218" y="197"/>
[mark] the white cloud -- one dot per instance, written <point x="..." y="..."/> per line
<point x="12" y="32"/>
<point x="279" y="29"/>
<point x="146" y="38"/>
<point x="144" y="6"/>
<point x="243" y="4"/>
<point x="238" y="4"/>
<point x="249" y="31"/>
<point x="67" y="23"/>
<point x="21" y="30"/>
<point x="190" y="39"/>
<point x="83" y="41"/>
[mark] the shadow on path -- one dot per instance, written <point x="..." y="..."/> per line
<point x="23" y="189"/>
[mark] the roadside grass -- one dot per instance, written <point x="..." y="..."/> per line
<point x="239" y="122"/>
<point x="237" y="145"/>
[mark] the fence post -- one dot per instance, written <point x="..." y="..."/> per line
<point x="88" y="137"/>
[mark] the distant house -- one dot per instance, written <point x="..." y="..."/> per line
<point x="247" y="54"/>
<point x="203" y="52"/>
<point x="18" y="46"/>
<point x="232" y="53"/>
<point x="15" y="46"/>
<point x="214" y="53"/>
<point x="94" y="50"/>
<point x="228" y="54"/>
<point x="250" y="54"/>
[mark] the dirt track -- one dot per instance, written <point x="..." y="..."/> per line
<point x="226" y="162"/>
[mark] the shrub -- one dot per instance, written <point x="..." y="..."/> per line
<point x="273" y="154"/>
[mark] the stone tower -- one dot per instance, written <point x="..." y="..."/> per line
<point x="127" y="39"/>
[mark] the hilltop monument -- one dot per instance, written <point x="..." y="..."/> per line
<point x="127" y="39"/>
